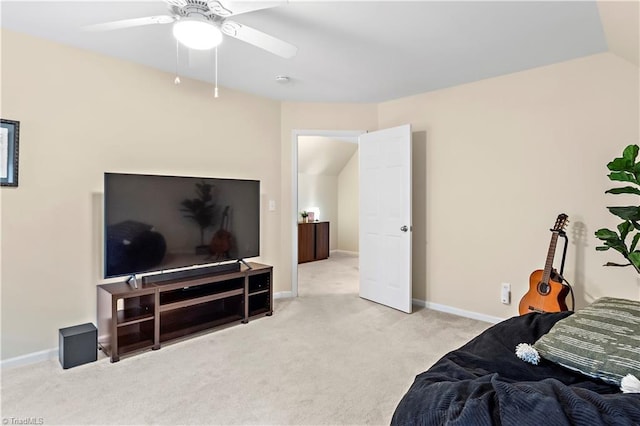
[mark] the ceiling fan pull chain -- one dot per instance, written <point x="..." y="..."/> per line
<point x="215" y="90"/>
<point x="177" y="79"/>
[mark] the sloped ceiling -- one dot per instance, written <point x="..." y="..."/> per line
<point x="323" y="156"/>
<point x="620" y="23"/>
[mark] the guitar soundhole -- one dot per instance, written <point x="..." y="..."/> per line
<point x="543" y="288"/>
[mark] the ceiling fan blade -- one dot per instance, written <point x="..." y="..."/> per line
<point x="128" y="23"/>
<point x="259" y="39"/>
<point x="226" y="8"/>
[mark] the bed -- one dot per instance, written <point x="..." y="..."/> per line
<point x="485" y="383"/>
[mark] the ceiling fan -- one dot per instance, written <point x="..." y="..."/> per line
<point x="200" y="24"/>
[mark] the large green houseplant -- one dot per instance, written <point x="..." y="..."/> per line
<point x="625" y="239"/>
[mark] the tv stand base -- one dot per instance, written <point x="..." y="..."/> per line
<point x="244" y="263"/>
<point x="132" y="281"/>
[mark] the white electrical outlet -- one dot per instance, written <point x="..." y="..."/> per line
<point x="505" y="294"/>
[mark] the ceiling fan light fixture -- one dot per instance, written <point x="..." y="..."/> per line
<point x="197" y="34"/>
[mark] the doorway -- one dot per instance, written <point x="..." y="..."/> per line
<point x="313" y="158"/>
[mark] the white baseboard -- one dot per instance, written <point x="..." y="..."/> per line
<point x="282" y="295"/>
<point x="353" y="253"/>
<point x="457" y="311"/>
<point x="28" y="359"/>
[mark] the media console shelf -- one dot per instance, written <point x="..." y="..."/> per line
<point x="160" y="312"/>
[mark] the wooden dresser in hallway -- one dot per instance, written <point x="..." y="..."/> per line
<point x="313" y="241"/>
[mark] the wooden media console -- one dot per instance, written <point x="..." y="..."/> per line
<point x="135" y="319"/>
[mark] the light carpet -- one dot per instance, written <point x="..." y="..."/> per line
<point x="326" y="357"/>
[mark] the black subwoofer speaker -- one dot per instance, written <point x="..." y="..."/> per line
<point x="78" y="345"/>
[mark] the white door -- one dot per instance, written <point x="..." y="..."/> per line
<point x="385" y="217"/>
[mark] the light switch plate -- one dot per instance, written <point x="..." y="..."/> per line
<point x="505" y="295"/>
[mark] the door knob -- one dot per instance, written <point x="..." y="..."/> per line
<point x="404" y="228"/>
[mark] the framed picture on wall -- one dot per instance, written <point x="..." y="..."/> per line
<point x="9" y="140"/>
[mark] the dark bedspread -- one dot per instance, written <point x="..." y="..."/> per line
<point x="484" y="383"/>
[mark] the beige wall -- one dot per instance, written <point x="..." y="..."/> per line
<point x="82" y="114"/>
<point x="320" y="191"/>
<point x="503" y="158"/>
<point x="348" y="206"/>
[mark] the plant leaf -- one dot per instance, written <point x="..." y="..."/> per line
<point x="634" y="257"/>
<point x="634" y="242"/>
<point x="620" y="165"/>
<point x="630" y="153"/>
<point x="617" y="245"/>
<point x="603" y="248"/>
<point x="624" y="229"/>
<point x="606" y="234"/>
<point x="612" y="240"/>
<point x="624" y="190"/>
<point x="622" y="176"/>
<point x="631" y="213"/>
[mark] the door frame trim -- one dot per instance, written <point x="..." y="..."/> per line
<point x="295" y="134"/>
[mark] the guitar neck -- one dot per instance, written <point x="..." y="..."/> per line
<point x="548" y="266"/>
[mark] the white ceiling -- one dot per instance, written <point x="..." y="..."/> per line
<point x="362" y="51"/>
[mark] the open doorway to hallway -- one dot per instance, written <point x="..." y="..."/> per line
<point x="385" y="227"/>
<point x="327" y="188"/>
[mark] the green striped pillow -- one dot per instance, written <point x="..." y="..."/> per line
<point x="601" y="340"/>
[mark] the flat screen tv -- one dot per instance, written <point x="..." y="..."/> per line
<point x="155" y="223"/>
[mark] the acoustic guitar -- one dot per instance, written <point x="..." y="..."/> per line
<point x="546" y="291"/>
